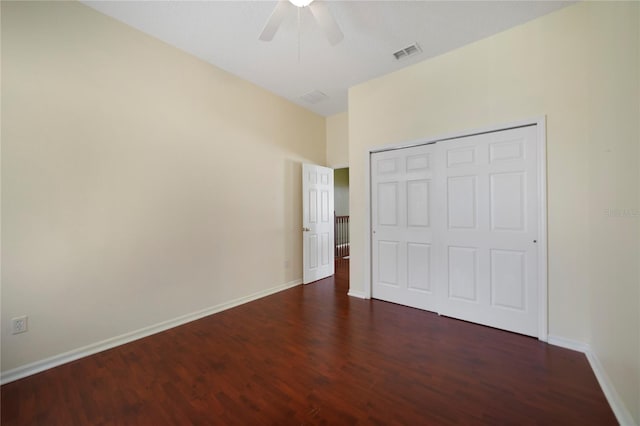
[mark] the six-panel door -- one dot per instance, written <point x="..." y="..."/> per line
<point x="487" y="238"/>
<point x="317" y="223"/>
<point x="402" y="183"/>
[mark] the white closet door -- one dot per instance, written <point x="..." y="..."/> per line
<point x="487" y="190"/>
<point x="402" y="236"/>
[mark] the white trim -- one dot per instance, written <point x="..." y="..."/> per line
<point x="540" y="122"/>
<point x="339" y="166"/>
<point x="567" y="343"/>
<point x="63" y="358"/>
<point x="613" y="398"/>
<point x="543" y="282"/>
<point x="367" y="228"/>
<point x="619" y="409"/>
<point x="357" y="294"/>
<point x="457" y="135"/>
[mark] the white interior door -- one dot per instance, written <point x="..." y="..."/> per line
<point x="402" y="235"/>
<point x="455" y="227"/>
<point x="488" y="190"/>
<point x="317" y="223"/>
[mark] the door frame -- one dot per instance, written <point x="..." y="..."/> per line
<point x="540" y="123"/>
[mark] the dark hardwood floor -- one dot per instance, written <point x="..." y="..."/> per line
<point x="313" y="355"/>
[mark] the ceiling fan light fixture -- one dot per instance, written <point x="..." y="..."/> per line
<point x="320" y="12"/>
<point x="300" y="3"/>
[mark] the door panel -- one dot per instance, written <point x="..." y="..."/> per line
<point x="463" y="273"/>
<point x="313" y="206"/>
<point x="457" y="157"/>
<point x="507" y="199"/>
<point x="312" y="251"/>
<point x="419" y="266"/>
<point x="490" y="271"/>
<point x="506" y="150"/>
<point x="324" y="205"/>
<point x="462" y="205"/>
<point x="508" y="279"/>
<point x="388" y="204"/>
<point x="402" y="236"/>
<point x="418" y="203"/>
<point x="317" y="222"/>
<point x="388" y="265"/>
<point x="418" y="162"/>
<point x="325" y="249"/>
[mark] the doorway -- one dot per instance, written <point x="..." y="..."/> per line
<point x="341" y="214"/>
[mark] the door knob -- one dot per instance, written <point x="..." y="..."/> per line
<point x="306" y="229"/>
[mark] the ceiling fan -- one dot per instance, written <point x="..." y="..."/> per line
<point x="318" y="9"/>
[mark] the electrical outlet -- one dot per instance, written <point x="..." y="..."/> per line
<point x="19" y="325"/>
<point x="286" y="264"/>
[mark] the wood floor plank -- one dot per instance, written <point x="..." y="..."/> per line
<point x="312" y="355"/>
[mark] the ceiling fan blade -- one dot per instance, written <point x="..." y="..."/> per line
<point x="327" y="23"/>
<point x="274" y="21"/>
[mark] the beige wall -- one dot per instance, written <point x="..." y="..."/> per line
<point x="139" y="183"/>
<point x="338" y="140"/>
<point x="579" y="67"/>
<point x="614" y="206"/>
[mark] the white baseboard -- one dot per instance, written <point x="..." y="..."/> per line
<point x="357" y="294"/>
<point x="619" y="409"/>
<point x="567" y="344"/>
<point x="613" y="398"/>
<point x="63" y="358"/>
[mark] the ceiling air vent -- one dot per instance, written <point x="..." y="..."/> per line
<point x="407" y="51"/>
<point x="314" y="97"/>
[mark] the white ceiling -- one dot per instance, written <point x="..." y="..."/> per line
<point x="225" y="33"/>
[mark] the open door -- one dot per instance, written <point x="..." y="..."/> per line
<point x="317" y="223"/>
